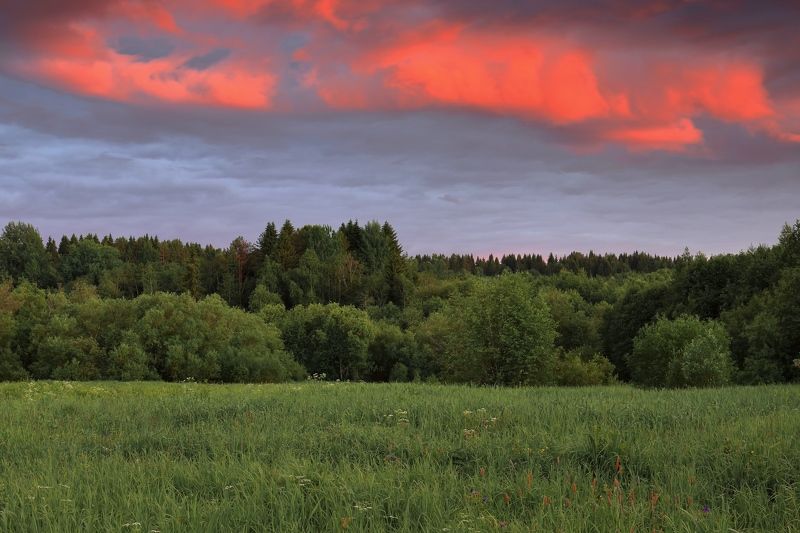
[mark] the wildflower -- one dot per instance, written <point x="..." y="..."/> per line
<point x="653" y="499"/>
<point x="567" y="503"/>
<point x="529" y="480"/>
<point x="481" y="411"/>
<point x="469" y="433"/>
<point x="503" y="524"/>
<point x="506" y="498"/>
<point x="546" y="501"/>
<point x="706" y="509"/>
<point x="467" y="413"/>
<point x="574" y="488"/>
<point x="482" y="472"/>
<point x="617" y="464"/>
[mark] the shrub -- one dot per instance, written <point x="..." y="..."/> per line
<point x="329" y="338"/>
<point x="399" y="373"/>
<point x="11" y="368"/>
<point x="682" y="352"/>
<point x="501" y="333"/>
<point x="389" y="348"/>
<point x="706" y="360"/>
<point x="573" y="370"/>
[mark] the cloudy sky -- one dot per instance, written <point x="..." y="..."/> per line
<point x="472" y="126"/>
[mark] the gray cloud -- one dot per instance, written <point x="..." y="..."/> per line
<point x="143" y="49"/>
<point x="449" y="182"/>
<point x="206" y="61"/>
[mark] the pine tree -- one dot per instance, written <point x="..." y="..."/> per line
<point x="268" y="241"/>
<point x="395" y="267"/>
<point x="286" y="248"/>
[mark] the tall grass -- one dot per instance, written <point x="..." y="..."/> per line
<point x="326" y="457"/>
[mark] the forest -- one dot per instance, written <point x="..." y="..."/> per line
<point x="348" y="304"/>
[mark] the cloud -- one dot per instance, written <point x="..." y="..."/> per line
<point x="671" y="137"/>
<point x="118" y="77"/>
<point x="206" y="61"/>
<point x="448" y="180"/>
<point x="143" y="49"/>
<point x="640" y="74"/>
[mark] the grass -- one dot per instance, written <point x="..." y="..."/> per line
<point x="325" y="457"/>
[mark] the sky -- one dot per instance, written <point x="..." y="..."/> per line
<point x="471" y="126"/>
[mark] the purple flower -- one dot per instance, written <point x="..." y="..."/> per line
<point x="706" y="509"/>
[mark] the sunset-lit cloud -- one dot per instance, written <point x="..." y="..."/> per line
<point x="538" y="65"/>
<point x="122" y="78"/>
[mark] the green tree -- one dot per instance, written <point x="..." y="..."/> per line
<point x="268" y="241"/>
<point x="789" y="244"/>
<point x="22" y="253"/>
<point x="11" y="368"/>
<point x="682" y="352"/>
<point x="504" y="335"/>
<point x="329" y="338"/>
<point x="288" y="254"/>
<point x="89" y="259"/>
<point x="389" y="348"/>
<point x="639" y="306"/>
<point x="773" y="333"/>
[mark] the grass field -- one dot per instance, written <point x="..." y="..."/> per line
<point x="325" y="457"/>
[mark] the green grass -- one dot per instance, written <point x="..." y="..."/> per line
<point x="316" y="457"/>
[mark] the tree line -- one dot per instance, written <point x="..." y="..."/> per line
<point x="350" y="304"/>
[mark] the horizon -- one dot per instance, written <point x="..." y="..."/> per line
<point x="335" y="227"/>
<point x="555" y="126"/>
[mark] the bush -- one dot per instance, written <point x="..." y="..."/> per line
<point x="11" y="368"/>
<point x="573" y="370"/>
<point x="83" y="337"/>
<point x="129" y="362"/>
<point x="500" y="334"/>
<point x="706" y="360"/>
<point x="399" y="373"/>
<point x="210" y="341"/>
<point x="389" y="348"/>
<point x="332" y="338"/>
<point x="682" y="352"/>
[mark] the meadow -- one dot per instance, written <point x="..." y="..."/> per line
<point x="317" y="456"/>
